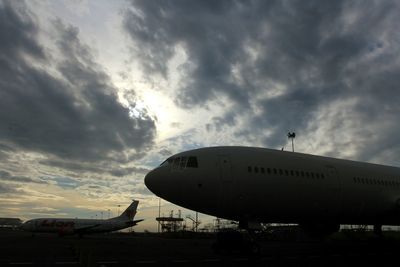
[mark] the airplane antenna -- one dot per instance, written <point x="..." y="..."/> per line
<point x="292" y="136"/>
<point x="159" y="213"/>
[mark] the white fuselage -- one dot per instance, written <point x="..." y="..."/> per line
<point x="72" y="226"/>
<point x="270" y="186"/>
<point x="64" y="226"/>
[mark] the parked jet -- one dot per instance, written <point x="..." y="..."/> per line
<point x="258" y="185"/>
<point x="65" y="226"/>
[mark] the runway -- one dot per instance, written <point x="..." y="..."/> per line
<point x="21" y="249"/>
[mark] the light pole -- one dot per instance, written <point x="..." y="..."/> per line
<point x="292" y="136"/>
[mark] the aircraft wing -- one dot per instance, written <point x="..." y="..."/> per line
<point x="137" y="221"/>
<point x="85" y="228"/>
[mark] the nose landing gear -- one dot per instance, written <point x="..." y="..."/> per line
<point x="232" y="240"/>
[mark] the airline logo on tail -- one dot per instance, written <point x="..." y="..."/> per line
<point x="130" y="212"/>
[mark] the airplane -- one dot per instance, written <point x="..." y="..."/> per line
<point x="253" y="185"/>
<point x="70" y="226"/>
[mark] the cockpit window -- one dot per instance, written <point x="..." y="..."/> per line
<point x="176" y="162"/>
<point x="192" y="162"/>
<point x="167" y="162"/>
<point x="183" y="163"/>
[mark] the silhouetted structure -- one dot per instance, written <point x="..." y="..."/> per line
<point x="170" y="224"/>
<point x="292" y="136"/>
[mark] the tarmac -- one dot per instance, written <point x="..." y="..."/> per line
<point x="138" y="249"/>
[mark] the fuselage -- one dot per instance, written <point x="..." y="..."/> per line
<point x="271" y="186"/>
<point x="72" y="226"/>
<point x="65" y="226"/>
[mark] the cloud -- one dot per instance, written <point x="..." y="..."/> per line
<point x="64" y="104"/>
<point x="98" y="168"/>
<point x="280" y="64"/>
<point x="65" y="182"/>
<point x="18" y="26"/>
<point x="6" y="176"/>
<point x="6" y="189"/>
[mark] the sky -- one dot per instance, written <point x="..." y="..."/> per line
<point x="94" y="94"/>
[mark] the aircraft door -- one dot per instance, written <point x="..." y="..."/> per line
<point x="333" y="190"/>
<point x="225" y="168"/>
<point x="225" y="189"/>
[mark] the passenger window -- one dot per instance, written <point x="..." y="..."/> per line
<point x="192" y="162"/>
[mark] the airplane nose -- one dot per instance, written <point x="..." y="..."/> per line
<point x="163" y="185"/>
<point x="152" y="182"/>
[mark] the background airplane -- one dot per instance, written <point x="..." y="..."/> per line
<point x="65" y="226"/>
<point x="258" y="185"/>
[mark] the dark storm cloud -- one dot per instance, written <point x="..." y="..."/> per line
<point x="102" y="168"/>
<point x="206" y="29"/>
<point x="75" y="114"/>
<point x="290" y="60"/>
<point x="18" y="31"/>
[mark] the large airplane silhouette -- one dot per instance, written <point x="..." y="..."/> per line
<point x="67" y="226"/>
<point x="258" y="185"/>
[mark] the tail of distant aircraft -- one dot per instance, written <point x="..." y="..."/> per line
<point x="130" y="212"/>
